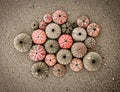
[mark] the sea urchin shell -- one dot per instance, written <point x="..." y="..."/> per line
<point x="78" y="49"/>
<point x="64" y="56"/>
<point x="59" y="70"/>
<point x="92" y="61"/>
<point x="22" y="42"/>
<point x="39" y="70"/>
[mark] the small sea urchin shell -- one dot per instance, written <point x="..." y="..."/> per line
<point x="50" y="59"/>
<point x="53" y="30"/>
<point x="37" y="53"/>
<point x="78" y="49"/>
<point x="51" y="46"/>
<point x="39" y="70"/>
<point x="92" y="61"/>
<point x="39" y="36"/>
<point x="42" y="25"/>
<point x="65" y="41"/>
<point x="59" y="70"/>
<point x="59" y="17"/>
<point x="83" y="21"/>
<point x="76" y="64"/>
<point x="34" y="25"/>
<point x="93" y="29"/>
<point x="64" y="56"/>
<point x="22" y="42"/>
<point x="90" y="42"/>
<point x="47" y="18"/>
<point x="67" y="28"/>
<point x="79" y="34"/>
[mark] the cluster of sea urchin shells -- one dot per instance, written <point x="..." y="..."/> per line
<point x="56" y="43"/>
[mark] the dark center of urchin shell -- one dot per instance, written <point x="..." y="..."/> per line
<point x="93" y="61"/>
<point x="34" y="24"/>
<point x="38" y="70"/>
<point x="67" y="27"/>
<point x="53" y="30"/>
<point x="79" y="33"/>
<point x="83" y="20"/>
<point x="64" y="56"/>
<point x="76" y="64"/>
<point x="59" y="15"/>
<point x="58" y="70"/>
<point x="94" y="29"/>
<point x="21" y="42"/>
<point x="51" y="46"/>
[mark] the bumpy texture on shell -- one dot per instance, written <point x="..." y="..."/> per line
<point x="39" y="70"/>
<point x="83" y="21"/>
<point x="37" y="53"/>
<point x="47" y="18"/>
<point x="79" y="34"/>
<point x="53" y="30"/>
<point x="65" y="41"/>
<point x="50" y="59"/>
<point x="22" y="42"/>
<point x="76" y="64"/>
<point x="38" y="36"/>
<point x="35" y="25"/>
<point x="92" y="61"/>
<point x="67" y="28"/>
<point x="78" y="49"/>
<point x="64" y="56"/>
<point x="93" y="29"/>
<point x="59" y="17"/>
<point x="90" y="42"/>
<point x="51" y="46"/>
<point x="59" y="70"/>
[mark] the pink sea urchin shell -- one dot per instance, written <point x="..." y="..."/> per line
<point x="93" y="29"/>
<point x="83" y="21"/>
<point x="59" y="70"/>
<point x="65" y="41"/>
<point x="42" y="25"/>
<point x="47" y="18"/>
<point x="39" y="36"/>
<point x="59" y="17"/>
<point x="50" y="59"/>
<point x="76" y="64"/>
<point x="37" y="53"/>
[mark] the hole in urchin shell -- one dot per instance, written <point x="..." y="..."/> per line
<point x="59" y="15"/>
<point x="51" y="46"/>
<point x="94" y="29"/>
<point x="21" y="42"/>
<point x="53" y="30"/>
<point x="58" y="70"/>
<point x="83" y="20"/>
<point x="76" y="64"/>
<point x="34" y="24"/>
<point x="93" y="61"/>
<point x="38" y="70"/>
<point x="79" y="33"/>
<point x="64" y="56"/>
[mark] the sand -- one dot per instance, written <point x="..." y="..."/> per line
<point x="16" y="17"/>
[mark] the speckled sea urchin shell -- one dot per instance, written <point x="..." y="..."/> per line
<point x="22" y="42"/>
<point x="64" y="56"/>
<point x="38" y="36"/>
<point x="78" y="49"/>
<point x="90" y="42"/>
<point x="65" y="41"/>
<point x="76" y="64"/>
<point x="92" y="61"/>
<point x="51" y="46"/>
<point x="35" y="25"/>
<point x="39" y="70"/>
<point x="83" y="21"/>
<point x="59" y="17"/>
<point x="37" y="53"/>
<point x="47" y="18"/>
<point x="93" y="29"/>
<point x="59" y="70"/>
<point x="67" y="28"/>
<point x="53" y="30"/>
<point x="79" y="34"/>
<point x="50" y="59"/>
